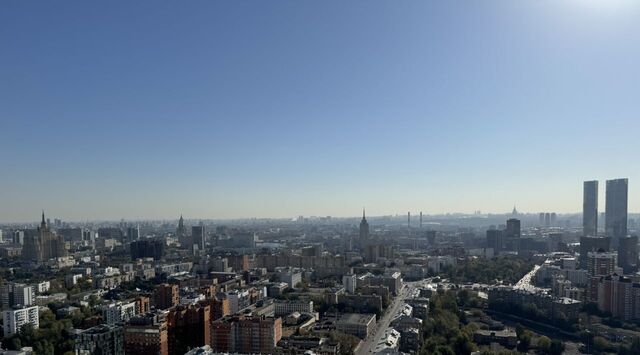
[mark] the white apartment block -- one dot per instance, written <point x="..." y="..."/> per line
<point x="14" y="319"/>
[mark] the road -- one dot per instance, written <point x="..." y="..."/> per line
<point x="369" y="344"/>
<point x="525" y="281"/>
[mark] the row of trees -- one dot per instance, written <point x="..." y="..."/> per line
<point x="543" y="343"/>
<point x="446" y="330"/>
<point x="443" y="330"/>
<point x="480" y="270"/>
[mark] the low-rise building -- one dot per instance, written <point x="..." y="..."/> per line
<point x="506" y="338"/>
<point x="283" y="308"/>
<point x="360" y="325"/>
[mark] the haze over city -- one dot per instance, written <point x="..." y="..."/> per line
<point x="242" y="109"/>
<point x="289" y="177"/>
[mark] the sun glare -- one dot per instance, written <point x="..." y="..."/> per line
<point x="606" y="6"/>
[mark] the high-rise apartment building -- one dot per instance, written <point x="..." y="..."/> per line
<point x="17" y="295"/>
<point x="616" y="210"/>
<point x="111" y="233"/>
<point x="592" y="244"/>
<point x="349" y="282"/>
<point x="628" y="254"/>
<point x="147" y="248"/>
<point x="166" y="296"/>
<point x="219" y="307"/>
<point x="146" y="335"/>
<point x="601" y="264"/>
<point x="512" y="234"/>
<point x="133" y="233"/>
<point x="142" y="305"/>
<point x="246" y="335"/>
<point x="15" y="319"/>
<point x="619" y="296"/>
<point x="590" y="208"/>
<point x="102" y="339"/>
<point x="198" y="236"/>
<point x="189" y="327"/>
<point x="495" y="240"/>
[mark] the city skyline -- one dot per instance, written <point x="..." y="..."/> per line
<point x="400" y="215"/>
<point x="229" y="110"/>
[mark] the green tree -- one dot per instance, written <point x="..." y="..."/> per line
<point x="544" y="344"/>
<point x="601" y="344"/>
<point x="557" y="348"/>
<point x="524" y="341"/>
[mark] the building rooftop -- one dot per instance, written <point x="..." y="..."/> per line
<point x="355" y="318"/>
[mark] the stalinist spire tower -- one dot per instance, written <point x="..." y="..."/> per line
<point x="43" y="224"/>
<point x="42" y="244"/>
<point x="181" y="232"/>
<point x="364" y="229"/>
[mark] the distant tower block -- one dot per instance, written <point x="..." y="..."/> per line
<point x="420" y="219"/>
<point x="364" y="229"/>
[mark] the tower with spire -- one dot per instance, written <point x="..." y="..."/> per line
<point x="43" y="224"/>
<point x="181" y="232"/>
<point x="364" y="229"/>
<point x="41" y="244"/>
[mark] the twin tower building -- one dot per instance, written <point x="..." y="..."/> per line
<point x="615" y="220"/>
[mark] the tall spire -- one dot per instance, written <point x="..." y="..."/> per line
<point x="43" y="224"/>
<point x="363" y="213"/>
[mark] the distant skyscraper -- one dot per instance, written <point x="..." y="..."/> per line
<point x="147" y="248"/>
<point x="616" y="209"/>
<point x="181" y="233"/>
<point x="198" y="236"/>
<point x="495" y="240"/>
<point x="547" y="220"/>
<point x="364" y="229"/>
<point x="42" y="244"/>
<point x="512" y="234"/>
<point x="133" y="233"/>
<point x="590" y="208"/>
<point x="628" y="254"/>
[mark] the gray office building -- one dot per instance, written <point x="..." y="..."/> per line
<point x="198" y="237"/>
<point x="590" y="208"/>
<point x="616" y="210"/>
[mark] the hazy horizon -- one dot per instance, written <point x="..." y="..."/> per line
<point x="278" y="109"/>
<point x="415" y="215"/>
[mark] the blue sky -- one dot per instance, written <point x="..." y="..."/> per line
<point x="219" y="109"/>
